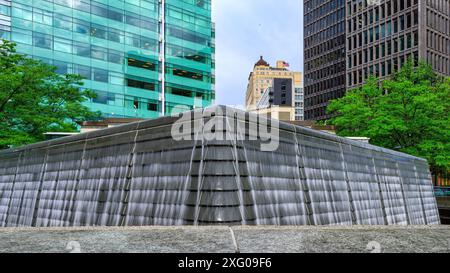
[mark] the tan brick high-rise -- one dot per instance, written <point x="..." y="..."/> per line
<point x="262" y="78"/>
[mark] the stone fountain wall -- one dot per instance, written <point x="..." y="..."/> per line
<point x="138" y="175"/>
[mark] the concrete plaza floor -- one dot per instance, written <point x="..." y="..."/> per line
<point x="227" y="240"/>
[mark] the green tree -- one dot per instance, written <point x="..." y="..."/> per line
<point x="408" y="112"/>
<point x="34" y="99"/>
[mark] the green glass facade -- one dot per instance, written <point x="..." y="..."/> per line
<point x="122" y="48"/>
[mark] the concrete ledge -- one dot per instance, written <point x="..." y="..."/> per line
<point x="220" y="239"/>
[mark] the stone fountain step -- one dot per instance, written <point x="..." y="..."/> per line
<point x="359" y="239"/>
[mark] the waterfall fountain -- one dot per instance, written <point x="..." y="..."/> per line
<point x="138" y="175"/>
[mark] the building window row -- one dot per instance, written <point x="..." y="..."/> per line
<point x="67" y="46"/>
<point x="325" y="59"/>
<point x="323" y="23"/>
<point x="144" y="64"/>
<point x="319" y="8"/>
<point x="29" y="14"/>
<point x="439" y="63"/>
<point x="383" y="30"/>
<point x="387" y="48"/>
<point x="101" y="75"/>
<point x="324" y="47"/>
<point x="94" y="30"/>
<point x="322" y="86"/>
<point x="187" y="35"/>
<point x="138" y="103"/>
<point x="438" y="22"/>
<point x="188" y="54"/>
<point x="405" y="20"/>
<point x="379" y="70"/>
<point x="325" y="97"/>
<point x="386" y="9"/>
<point x="442" y="6"/>
<point x="203" y="4"/>
<point x="438" y="42"/>
<point x="189" y="73"/>
<point x="321" y="74"/>
<point x="140" y="84"/>
<point x="185" y="16"/>
<point x="326" y="34"/>
<point x="39" y="15"/>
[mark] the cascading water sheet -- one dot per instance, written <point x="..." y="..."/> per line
<point x="138" y="174"/>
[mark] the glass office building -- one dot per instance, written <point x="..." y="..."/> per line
<point x="143" y="58"/>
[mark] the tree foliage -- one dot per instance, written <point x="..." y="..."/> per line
<point x="408" y="112"/>
<point x="34" y="99"/>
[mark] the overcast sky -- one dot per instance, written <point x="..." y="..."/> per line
<point x="246" y="29"/>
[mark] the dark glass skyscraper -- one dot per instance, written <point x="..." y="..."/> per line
<point x="347" y="41"/>
<point x="324" y="55"/>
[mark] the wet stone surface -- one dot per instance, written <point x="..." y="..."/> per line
<point x="219" y="239"/>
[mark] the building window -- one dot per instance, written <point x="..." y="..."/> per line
<point x="42" y="40"/>
<point x="100" y="75"/>
<point x="98" y="31"/>
<point x="103" y="97"/>
<point x="62" y="21"/>
<point x="187" y="74"/>
<point x="99" y="53"/>
<point x="141" y="64"/>
<point x="152" y="107"/>
<point x="61" y="67"/>
<point x="140" y="84"/>
<point x="62" y="45"/>
<point x="83" y="71"/>
<point x="115" y="56"/>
